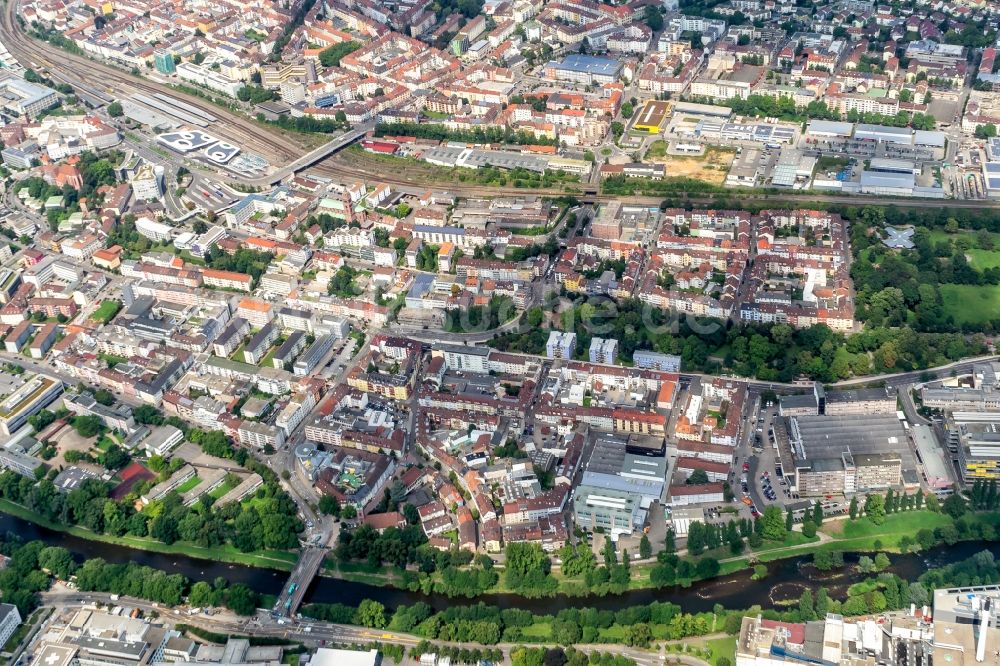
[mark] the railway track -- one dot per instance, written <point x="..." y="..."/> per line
<point x="279" y="149"/>
<point x="103" y="77"/>
<point x="331" y="169"/>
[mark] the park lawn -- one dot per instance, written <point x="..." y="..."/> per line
<point x="969" y="303"/>
<point x="722" y="647"/>
<point x="538" y="631"/>
<point x="188" y="485"/>
<point x="896" y="524"/>
<point x="106" y="311"/>
<point x="268" y="559"/>
<point x="979" y="258"/>
<point x="791" y="539"/>
<point x="983" y="259"/>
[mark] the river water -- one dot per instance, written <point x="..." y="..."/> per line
<point x="784" y="583"/>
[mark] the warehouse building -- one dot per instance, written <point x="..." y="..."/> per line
<point x="847" y="454"/>
<point x="883" y="133"/>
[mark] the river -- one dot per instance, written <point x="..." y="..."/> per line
<point x="784" y="583"/>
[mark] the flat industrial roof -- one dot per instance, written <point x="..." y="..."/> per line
<point x="824" y="437"/>
<point x="591" y="64"/>
<point x="653" y="114"/>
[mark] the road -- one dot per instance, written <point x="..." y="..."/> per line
<point x="312" y="633"/>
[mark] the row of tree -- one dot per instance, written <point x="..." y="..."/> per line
<point x="33" y="563"/>
<point x="489" y="625"/>
<point x="438" y="132"/>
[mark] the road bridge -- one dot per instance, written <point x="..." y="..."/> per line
<point x="312" y="157"/>
<point x="294" y="591"/>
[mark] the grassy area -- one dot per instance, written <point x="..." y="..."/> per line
<point x="895" y="525"/>
<point x="969" y="303"/>
<point x="537" y="631"/>
<point x="266" y="362"/>
<point x="222" y="490"/>
<point x="106" y="311"/>
<point x="722" y="647"/>
<point x="983" y="259"/>
<point x="831" y="163"/>
<point x="268" y="559"/>
<point x="657" y="149"/>
<point x="190" y="484"/>
<point x="238" y="354"/>
<point x="979" y="258"/>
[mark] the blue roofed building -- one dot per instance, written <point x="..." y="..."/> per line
<point x="584" y="69"/>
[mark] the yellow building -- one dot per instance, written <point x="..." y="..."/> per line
<point x="653" y="117"/>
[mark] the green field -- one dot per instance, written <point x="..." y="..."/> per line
<point x="222" y="490"/>
<point x="979" y="259"/>
<point x="969" y="303"/>
<point x="188" y="485"/>
<point x="106" y="311"/>
<point x="983" y="259"/>
<point x="861" y="534"/>
<point x="657" y="149"/>
<point x="722" y="647"/>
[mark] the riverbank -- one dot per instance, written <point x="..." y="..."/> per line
<point x="840" y="534"/>
<point x="280" y="560"/>
<point x="896" y="534"/>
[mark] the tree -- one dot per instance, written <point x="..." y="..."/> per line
<point x="853" y="508"/>
<point x="329" y="505"/>
<point x="918" y="594"/>
<point x="201" y="595"/>
<point x="58" y="561"/>
<point x="699" y="477"/>
<point x="774" y="524"/>
<point x="371" y="614"/>
<point x="88" y="426"/>
<point x="954" y="505"/>
<point x="330" y="57"/>
<point x="645" y="549"/>
<point x="881" y="562"/>
<point x="349" y="512"/>
<point x="807" y="605"/>
<point x="115" y="110"/>
<point x="817" y="516"/>
<point x="627" y="110"/>
<point x="653" y="18"/>
<point x="638" y="635"/>
<point x="808" y="529"/>
<point x="670" y="542"/>
<point x="241" y="599"/>
<point x="986" y="131"/>
<point x="875" y="508"/>
<point x="789" y="519"/>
